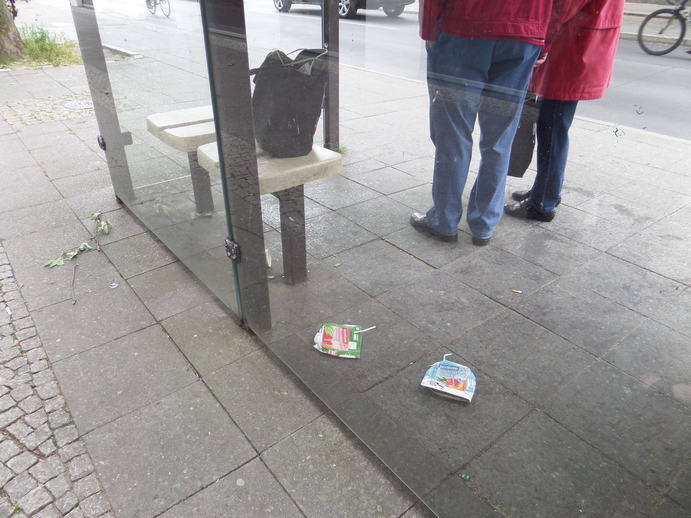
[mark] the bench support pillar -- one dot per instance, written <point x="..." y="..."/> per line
<point x="292" y="207"/>
<point x="201" y="185"/>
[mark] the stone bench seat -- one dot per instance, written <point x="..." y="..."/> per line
<point x="159" y="122"/>
<point x="189" y="138"/>
<point x="279" y="174"/>
<point x="192" y="130"/>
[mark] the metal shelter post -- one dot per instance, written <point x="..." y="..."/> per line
<point x="227" y="55"/>
<point x="330" y="41"/>
<point x="111" y="139"/>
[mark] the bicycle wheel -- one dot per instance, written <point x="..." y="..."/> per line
<point x="661" y="32"/>
<point x="165" y="7"/>
<point x="151" y="6"/>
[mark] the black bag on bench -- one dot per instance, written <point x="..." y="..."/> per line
<point x="287" y="101"/>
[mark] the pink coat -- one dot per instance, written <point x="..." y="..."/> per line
<point x="581" y="46"/>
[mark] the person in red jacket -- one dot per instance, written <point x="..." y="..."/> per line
<point x="578" y="66"/>
<point x="480" y="57"/>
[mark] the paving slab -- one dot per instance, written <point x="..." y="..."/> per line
<point x="83" y="183"/>
<point x="193" y="234"/>
<point x="592" y="322"/>
<point x="387" y="180"/>
<point x="663" y="254"/>
<point x="137" y="254"/>
<point x="588" y="229"/>
<point x="43" y="286"/>
<point x="48" y="216"/>
<point x="123" y="225"/>
<point x="430" y="249"/>
<point x="66" y="165"/>
<point x="546" y="249"/>
<point x="362" y="166"/>
<point x="209" y="337"/>
<point x="337" y="192"/>
<point x="380" y="358"/>
<point x="381" y="216"/>
<point x="377" y="267"/>
<point x="25" y="186"/>
<point x="251" y="492"/>
<point x="332" y="233"/>
<point x="102" y="315"/>
<point x="417" y="198"/>
<point x="419" y="511"/>
<point x="630" y="285"/>
<point x="174" y="447"/>
<point x="271" y="210"/>
<point x="656" y="355"/>
<point x="675" y="312"/>
<point x="453" y="493"/>
<point x="295" y="307"/>
<point x="108" y="381"/>
<point x="439" y="420"/>
<point x="440" y="305"/>
<point x="320" y="457"/>
<point x="634" y="425"/>
<point x="499" y="274"/>
<point x="99" y="200"/>
<point x="259" y="381"/>
<point x="560" y="475"/>
<point x="169" y="290"/>
<point x="523" y="356"/>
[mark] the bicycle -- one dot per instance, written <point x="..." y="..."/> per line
<point x="663" y="31"/>
<point x="165" y="6"/>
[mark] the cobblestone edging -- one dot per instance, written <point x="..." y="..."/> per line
<point x="45" y="471"/>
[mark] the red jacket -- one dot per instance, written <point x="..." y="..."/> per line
<point x="582" y="43"/>
<point x="525" y="20"/>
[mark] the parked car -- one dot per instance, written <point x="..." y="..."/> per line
<point x="349" y="8"/>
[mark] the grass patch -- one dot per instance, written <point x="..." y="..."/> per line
<point x="41" y="48"/>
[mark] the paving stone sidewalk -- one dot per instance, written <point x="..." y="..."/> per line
<point x="45" y="470"/>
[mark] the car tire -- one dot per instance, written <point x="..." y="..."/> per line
<point x="347" y="8"/>
<point x="283" y="6"/>
<point x="394" y="10"/>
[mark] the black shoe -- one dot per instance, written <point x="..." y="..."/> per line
<point x="419" y="222"/>
<point x="526" y="211"/>
<point x="523" y="195"/>
<point x="520" y="195"/>
<point x="481" y="241"/>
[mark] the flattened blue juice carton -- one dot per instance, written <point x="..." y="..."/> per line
<point x="450" y="379"/>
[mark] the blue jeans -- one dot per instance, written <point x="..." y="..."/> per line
<point x="553" y="126"/>
<point x="471" y="79"/>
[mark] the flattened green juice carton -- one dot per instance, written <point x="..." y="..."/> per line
<point x="450" y="379"/>
<point x="342" y="340"/>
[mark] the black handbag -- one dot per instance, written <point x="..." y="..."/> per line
<point x="524" y="140"/>
<point x="287" y="101"/>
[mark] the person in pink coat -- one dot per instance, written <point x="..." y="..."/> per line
<point x="577" y="66"/>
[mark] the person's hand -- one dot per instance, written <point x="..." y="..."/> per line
<point x="541" y="60"/>
<point x="430" y="43"/>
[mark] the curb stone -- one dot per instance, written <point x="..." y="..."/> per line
<point x="45" y="470"/>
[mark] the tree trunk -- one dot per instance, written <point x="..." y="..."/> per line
<point x="10" y="42"/>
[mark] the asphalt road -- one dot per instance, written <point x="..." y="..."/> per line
<point x="648" y="92"/>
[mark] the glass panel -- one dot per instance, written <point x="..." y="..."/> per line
<point x="560" y="318"/>
<point x="542" y="311"/>
<point x="159" y="75"/>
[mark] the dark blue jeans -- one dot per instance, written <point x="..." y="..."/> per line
<point x="553" y="126"/>
<point x="469" y="79"/>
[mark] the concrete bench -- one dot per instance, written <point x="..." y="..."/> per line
<point x="285" y="179"/>
<point x="192" y="131"/>
<point x="186" y="130"/>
